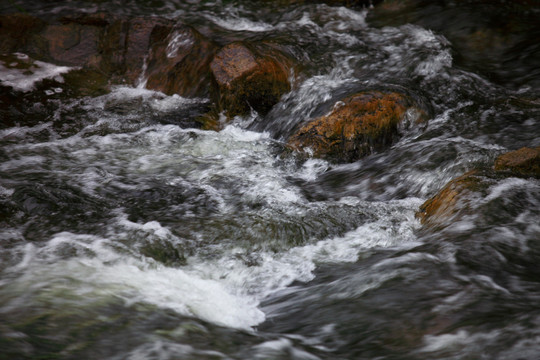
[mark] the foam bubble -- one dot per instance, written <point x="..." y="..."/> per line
<point x="24" y="78"/>
<point x="237" y="23"/>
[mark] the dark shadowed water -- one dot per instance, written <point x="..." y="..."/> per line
<point x="127" y="234"/>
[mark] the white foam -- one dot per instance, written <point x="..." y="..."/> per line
<point x="178" y="40"/>
<point x="344" y="19"/>
<point x="279" y="348"/>
<point x="461" y="342"/>
<point x="237" y="23"/>
<point x="506" y="185"/>
<point x="276" y="271"/>
<point x="433" y="66"/>
<point x="25" y="79"/>
<point x="445" y="341"/>
<point x="107" y="273"/>
<point x="312" y="168"/>
<point x="23" y="163"/>
<point x="155" y="99"/>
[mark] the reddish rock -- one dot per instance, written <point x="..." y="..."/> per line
<point x="250" y="76"/>
<point x="522" y="162"/>
<point x="179" y="62"/>
<point x="453" y="199"/>
<point x="112" y="46"/>
<point x="357" y="126"/>
<point x="138" y="43"/>
<point x="71" y="44"/>
<point x="458" y="198"/>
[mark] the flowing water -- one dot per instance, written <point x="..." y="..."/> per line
<point x="126" y="233"/>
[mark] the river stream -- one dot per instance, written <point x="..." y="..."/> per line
<point x="126" y="233"/>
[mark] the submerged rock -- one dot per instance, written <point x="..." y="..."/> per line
<point x="453" y="198"/>
<point x="250" y="77"/>
<point x="357" y="126"/>
<point x="522" y="162"/>
<point x="456" y="199"/>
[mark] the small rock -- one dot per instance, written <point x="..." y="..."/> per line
<point x="458" y="198"/>
<point x="452" y="199"/>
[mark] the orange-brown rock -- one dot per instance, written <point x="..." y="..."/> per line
<point x="452" y="199"/>
<point x="357" y="126"/>
<point x="522" y="162"/>
<point x="250" y="77"/>
<point x="455" y="199"/>
<point x="179" y="62"/>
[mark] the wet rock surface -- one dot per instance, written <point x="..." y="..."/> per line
<point x="250" y="77"/>
<point x="460" y="196"/>
<point x="172" y="58"/>
<point x="128" y="230"/>
<point x="179" y="62"/>
<point x="357" y="126"/>
<point x="522" y="162"/>
<point x="453" y="200"/>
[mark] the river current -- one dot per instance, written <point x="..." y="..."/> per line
<point x="126" y="233"/>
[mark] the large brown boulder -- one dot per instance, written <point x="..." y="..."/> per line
<point x="136" y="34"/>
<point x="522" y="162"/>
<point x="357" y="126"/>
<point x="179" y="62"/>
<point x="71" y="43"/>
<point x="250" y="77"/>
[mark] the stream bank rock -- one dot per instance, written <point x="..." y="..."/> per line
<point x="250" y="76"/>
<point x="457" y="198"/>
<point x="152" y="51"/>
<point x="358" y="126"/>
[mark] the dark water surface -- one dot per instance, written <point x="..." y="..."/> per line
<point x="127" y="234"/>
